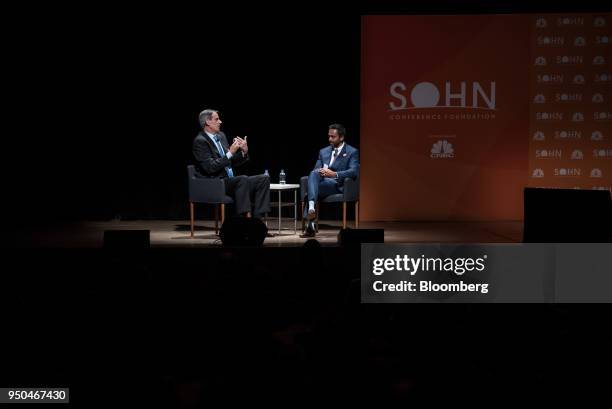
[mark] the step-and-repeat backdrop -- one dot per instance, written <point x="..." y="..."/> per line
<point x="460" y="113"/>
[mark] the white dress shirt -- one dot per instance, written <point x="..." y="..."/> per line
<point x="333" y="158"/>
<point x="212" y="138"/>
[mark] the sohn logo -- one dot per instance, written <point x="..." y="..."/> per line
<point x="449" y="95"/>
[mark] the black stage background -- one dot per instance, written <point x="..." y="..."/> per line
<point x="104" y="100"/>
<point x="102" y="108"/>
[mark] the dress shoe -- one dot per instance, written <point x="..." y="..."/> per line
<point x="310" y="231"/>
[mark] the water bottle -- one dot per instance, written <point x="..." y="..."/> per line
<point x="266" y="173"/>
<point x="283" y="178"/>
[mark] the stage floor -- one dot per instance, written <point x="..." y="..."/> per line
<point x="175" y="233"/>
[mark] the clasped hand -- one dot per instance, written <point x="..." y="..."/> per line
<point x="327" y="173"/>
<point x="241" y="144"/>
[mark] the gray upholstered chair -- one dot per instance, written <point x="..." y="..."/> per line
<point x="209" y="191"/>
<point x="350" y="194"/>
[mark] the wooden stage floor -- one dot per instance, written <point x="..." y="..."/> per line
<point x="175" y="233"/>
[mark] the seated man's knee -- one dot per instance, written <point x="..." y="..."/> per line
<point x="314" y="173"/>
<point x="260" y="180"/>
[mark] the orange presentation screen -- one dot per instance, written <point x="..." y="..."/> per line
<point x="460" y="113"/>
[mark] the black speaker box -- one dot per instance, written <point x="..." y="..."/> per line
<point x="566" y="216"/>
<point x="242" y="231"/>
<point x="354" y="237"/>
<point x="127" y="239"/>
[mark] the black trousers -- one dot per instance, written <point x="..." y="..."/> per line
<point x="250" y="193"/>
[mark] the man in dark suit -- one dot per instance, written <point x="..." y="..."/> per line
<point x="215" y="158"/>
<point x="335" y="163"/>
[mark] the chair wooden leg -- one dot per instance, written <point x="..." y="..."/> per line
<point x="357" y="214"/>
<point x="191" y="218"/>
<point x="317" y="217"/>
<point x="344" y="215"/>
<point x="222" y="213"/>
<point x="216" y="219"/>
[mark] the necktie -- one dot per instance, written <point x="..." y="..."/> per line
<point x="333" y="156"/>
<point x="228" y="169"/>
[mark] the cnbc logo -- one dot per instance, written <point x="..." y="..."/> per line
<point x="449" y="95"/>
<point x="442" y="149"/>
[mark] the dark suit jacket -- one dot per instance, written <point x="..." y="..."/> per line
<point x="209" y="162"/>
<point x="346" y="164"/>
